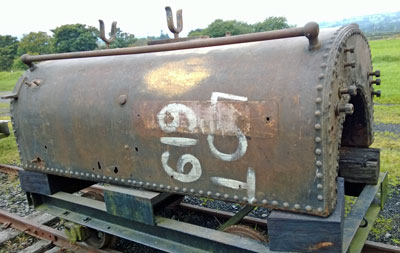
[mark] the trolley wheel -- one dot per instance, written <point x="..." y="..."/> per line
<point x="246" y="231"/>
<point x="99" y="239"/>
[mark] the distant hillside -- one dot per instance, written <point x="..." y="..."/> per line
<point x="372" y="25"/>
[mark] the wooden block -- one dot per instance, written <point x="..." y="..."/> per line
<point x="304" y="233"/>
<point x="8" y="234"/>
<point x="47" y="184"/>
<point x="131" y="204"/>
<point x="38" y="247"/>
<point x="359" y="165"/>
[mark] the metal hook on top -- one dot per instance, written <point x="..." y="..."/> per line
<point x="103" y="33"/>
<point x="170" y="21"/>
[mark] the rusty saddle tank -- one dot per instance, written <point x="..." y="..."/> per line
<point x="254" y="119"/>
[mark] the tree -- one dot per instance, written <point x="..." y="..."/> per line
<point x="8" y="51"/>
<point x="271" y="23"/>
<point x="35" y="43"/>
<point x="123" y="39"/>
<point x="76" y="37"/>
<point x="218" y="28"/>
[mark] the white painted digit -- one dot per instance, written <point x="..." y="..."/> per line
<point x="169" y="119"/>
<point x="216" y="95"/>
<point x="179" y="141"/>
<point x="249" y="185"/>
<point x="194" y="173"/>
<point x="240" y="151"/>
<point x="242" y="145"/>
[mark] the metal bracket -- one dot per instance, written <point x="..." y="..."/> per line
<point x="112" y="35"/>
<point x="170" y="20"/>
<point x="237" y="217"/>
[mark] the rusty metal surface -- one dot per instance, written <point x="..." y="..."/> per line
<point x="255" y="123"/>
<point x="170" y="21"/>
<point x="310" y="30"/>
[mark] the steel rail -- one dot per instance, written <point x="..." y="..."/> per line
<point x="310" y="30"/>
<point x="58" y="238"/>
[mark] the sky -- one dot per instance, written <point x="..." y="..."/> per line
<point x="147" y="18"/>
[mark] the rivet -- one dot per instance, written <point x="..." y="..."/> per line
<point x="323" y="65"/>
<point x="308" y="208"/>
<point x="317" y="113"/>
<point x="319" y="186"/>
<point x="61" y="171"/>
<point x="201" y="192"/>
<point x="321" y="76"/>
<point x="161" y="186"/>
<point x="325" y="55"/>
<point x="147" y="184"/>
<point x="122" y="180"/>
<point x="110" y="178"/>
<point x="297" y="206"/>
<point x="168" y="187"/>
<point x="126" y="147"/>
<point x="184" y="189"/>
<point x="235" y="197"/>
<point x="176" y="188"/>
<point x="274" y="202"/>
<point x="116" y="179"/>
<point x="140" y="183"/>
<point x="87" y="174"/>
<point x="104" y="177"/>
<point x="254" y="200"/>
<point x="319" y="209"/>
<point x="318" y="100"/>
<point x="77" y="173"/>
<point x="264" y="201"/>
<point x="134" y="182"/>
<point x="129" y="181"/>
<point x="98" y="176"/>
<point x="319" y="197"/>
<point x="93" y="175"/>
<point x="319" y="87"/>
<point x="285" y="204"/>
<point x="318" y="163"/>
<point x="122" y="99"/>
<point x="209" y="193"/>
<point x="319" y="174"/>
<point x="192" y="190"/>
<point x="244" y="199"/>
<point x="154" y="185"/>
<point x="318" y="151"/>
<point x="226" y="196"/>
<point x="56" y="170"/>
<point x="217" y="194"/>
<point x="317" y="126"/>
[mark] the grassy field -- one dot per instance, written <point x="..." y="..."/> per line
<point x="8" y="80"/>
<point x="385" y="57"/>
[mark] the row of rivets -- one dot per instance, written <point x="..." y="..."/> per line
<point x="161" y="186"/>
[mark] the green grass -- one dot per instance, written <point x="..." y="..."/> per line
<point x="8" y="147"/>
<point x="389" y="144"/>
<point x="387" y="114"/>
<point x="386" y="58"/>
<point x="9" y="79"/>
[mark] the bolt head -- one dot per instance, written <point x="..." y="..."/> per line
<point x="122" y="99"/>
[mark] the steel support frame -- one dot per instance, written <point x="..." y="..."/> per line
<point x="175" y="236"/>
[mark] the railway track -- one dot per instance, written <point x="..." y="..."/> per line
<point x="53" y="240"/>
